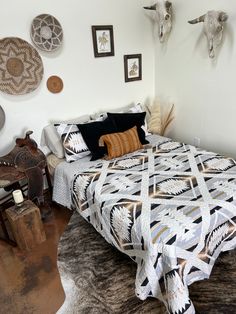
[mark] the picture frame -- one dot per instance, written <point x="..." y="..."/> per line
<point x="133" y="67"/>
<point x="103" y="40"/>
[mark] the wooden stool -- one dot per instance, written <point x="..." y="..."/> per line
<point x="27" y="226"/>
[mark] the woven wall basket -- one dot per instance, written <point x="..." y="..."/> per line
<point x="46" y="32"/>
<point x="2" y="118"/>
<point x="21" y="67"/>
<point x="55" y="84"/>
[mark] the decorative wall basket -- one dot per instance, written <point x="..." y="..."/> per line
<point x="55" y="84"/>
<point x="46" y="32"/>
<point x="2" y="118"/>
<point x="21" y="67"/>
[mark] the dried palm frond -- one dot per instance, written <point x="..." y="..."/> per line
<point x="166" y="121"/>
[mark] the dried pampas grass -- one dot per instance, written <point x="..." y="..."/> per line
<point x="155" y="125"/>
<point x="167" y="120"/>
<point x="159" y="122"/>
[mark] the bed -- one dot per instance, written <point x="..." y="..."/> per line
<point x="171" y="207"/>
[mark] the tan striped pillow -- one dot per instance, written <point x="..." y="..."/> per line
<point x="119" y="144"/>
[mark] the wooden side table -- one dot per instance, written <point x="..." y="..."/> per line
<point x="27" y="226"/>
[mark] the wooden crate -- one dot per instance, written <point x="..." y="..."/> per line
<point x="27" y="227"/>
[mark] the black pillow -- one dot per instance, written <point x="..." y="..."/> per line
<point x="91" y="133"/>
<point x="126" y="121"/>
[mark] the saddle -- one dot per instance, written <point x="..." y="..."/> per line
<point x="25" y="160"/>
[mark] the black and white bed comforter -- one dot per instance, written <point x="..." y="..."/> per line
<point x="170" y="207"/>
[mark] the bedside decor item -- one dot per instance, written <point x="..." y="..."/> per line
<point x="163" y="16"/>
<point x="18" y="197"/>
<point x="26" y="225"/>
<point x="21" y="67"/>
<point x="133" y="67"/>
<point x="103" y="40"/>
<point x="54" y="84"/>
<point x="20" y="205"/>
<point x="2" y="118"/>
<point x="46" y="32"/>
<point x="213" y="25"/>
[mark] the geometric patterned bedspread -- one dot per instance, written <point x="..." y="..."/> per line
<point x="170" y="207"/>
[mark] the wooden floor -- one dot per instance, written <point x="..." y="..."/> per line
<point x="29" y="282"/>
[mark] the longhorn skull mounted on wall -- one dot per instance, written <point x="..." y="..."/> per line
<point x="163" y="16"/>
<point x="213" y="28"/>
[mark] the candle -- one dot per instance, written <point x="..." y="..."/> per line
<point x="18" y="196"/>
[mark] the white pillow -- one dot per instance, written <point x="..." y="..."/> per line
<point x="50" y="139"/>
<point x="100" y="116"/>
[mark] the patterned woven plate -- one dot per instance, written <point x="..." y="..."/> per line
<point x="55" y="84"/>
<point x="21" y="67"/>
<point x="2" y="118"/>
<point x="46" y="32"/>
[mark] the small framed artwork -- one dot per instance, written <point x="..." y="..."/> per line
<point x="103" y="40"/>
<point x="133" y="67"/>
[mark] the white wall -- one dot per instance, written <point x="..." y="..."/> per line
<point x="204" y="91"/>
<point x="90" y="84"/>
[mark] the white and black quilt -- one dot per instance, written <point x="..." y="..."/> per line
<point x="170" y="207"/>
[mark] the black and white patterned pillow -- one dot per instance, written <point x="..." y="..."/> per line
<point x="72" y="141"/>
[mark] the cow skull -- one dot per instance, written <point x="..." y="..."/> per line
<point x="213" y="28"/>
<point x="163" y="16"/>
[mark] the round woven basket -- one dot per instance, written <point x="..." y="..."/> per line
<point x="21" y="67"/>
<point x="55" y="84"/>
<point x="2" y="118"/>
<point x="46" y="32"/>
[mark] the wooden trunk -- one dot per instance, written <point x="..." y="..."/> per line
<point x="27" y="226"/>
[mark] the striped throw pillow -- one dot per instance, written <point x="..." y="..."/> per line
<point x="119" y="144"/>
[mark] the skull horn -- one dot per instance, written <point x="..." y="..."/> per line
<point x="168" y="5"/>
<point x="198" y="20"/>
<point x="152" y="7"/>
<point x="223" y="17"/>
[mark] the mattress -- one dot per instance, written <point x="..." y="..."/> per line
<point x="170" y="207"/>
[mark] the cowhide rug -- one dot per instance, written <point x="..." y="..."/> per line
<point x="97" y="278"/>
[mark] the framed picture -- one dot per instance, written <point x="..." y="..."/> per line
<point x="103" y="40"/>
<point x="133" y="67"/>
